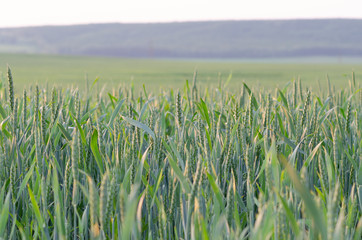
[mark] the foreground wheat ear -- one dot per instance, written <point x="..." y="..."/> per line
<point x="189" y="164"/>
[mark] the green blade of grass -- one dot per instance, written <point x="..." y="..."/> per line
<point x="38" y="215"/>
<point x="4" y="215"/>
<point x="65" y="132"/>
<point x="115" y="112"/>
<point x="95" y="151"/>
<point x="290" y="215"/>
<point x="184" y="183"/>
<point x="25" y="180"/>
<point x="311" y="206"/>
<point x="140" y="125"/>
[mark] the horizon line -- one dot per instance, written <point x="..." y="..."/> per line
<point x="178" y="21"/>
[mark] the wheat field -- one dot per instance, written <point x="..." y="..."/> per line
<point x="188" y="163"/>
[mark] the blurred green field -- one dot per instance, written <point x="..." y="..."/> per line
<point x="67" y="71"/>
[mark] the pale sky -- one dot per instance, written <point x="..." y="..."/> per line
<point x="14" y="13"/>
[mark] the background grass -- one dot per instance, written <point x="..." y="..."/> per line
<point x="66" y="71"/>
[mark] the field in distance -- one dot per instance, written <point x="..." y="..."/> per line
<point x="67" y="71"/>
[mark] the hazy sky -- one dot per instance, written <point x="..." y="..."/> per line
<point x="50" y="12"/>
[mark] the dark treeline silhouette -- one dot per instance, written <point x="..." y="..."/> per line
<point x="210" y="39"/>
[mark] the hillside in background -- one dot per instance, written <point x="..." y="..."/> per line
<point x="216" y="39"/>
